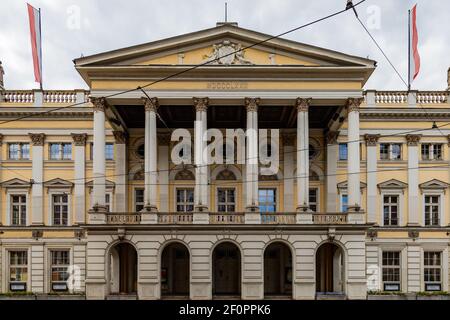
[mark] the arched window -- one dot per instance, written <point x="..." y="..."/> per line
<point x="226" y="175"/>
<point x="184" y="175"/>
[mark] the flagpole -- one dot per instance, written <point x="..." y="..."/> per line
<point x="40" y="47"/>
<point x="409" y="50"/>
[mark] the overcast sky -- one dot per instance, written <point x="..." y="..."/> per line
<point x="74" y="27"/>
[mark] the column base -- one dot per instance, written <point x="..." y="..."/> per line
<point x="95" y="289"/>
<point x="150" y="208"/>
<point x="252" y="209"/>
<point x="303" y="208"/>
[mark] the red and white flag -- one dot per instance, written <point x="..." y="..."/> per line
<point x="35" y="33"/>
<point x="414" y="58"/>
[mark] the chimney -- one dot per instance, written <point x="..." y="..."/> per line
<point x="2" y="72"/>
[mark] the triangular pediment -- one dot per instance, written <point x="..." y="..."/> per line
<point x="223" y="41"/>
<point x="343" y="185"/>
<point x="16" y="183"/>
<point x="58" y="183"/>
<point x="434" y="184"/>
<point x="109" y="184"/>
<point x="392" y="184"/>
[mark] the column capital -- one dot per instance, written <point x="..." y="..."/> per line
<point x="353" y="104"/>
<point x="371" y="139"/>
<point x="201" y="104"/>
<point x="150" y="104"/>
<point x="289" y="138"/>
<point x="331" y="137"/>
<point x="302" y="104"/>
<point x="251" y="104"/>
<point x="99" y="103"/>
<point x="79" y="139"/>
<point x="37" y="139"/>
<point x="120" y="137"/>
<point x="413" y="139"/>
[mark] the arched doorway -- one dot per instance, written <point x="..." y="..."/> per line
<point x="123" y="269"/>
<point x="330" y="272"/>
<point x="175" y="270"/>
<point x="277" y="270"/>
<point x="226" y="271"/>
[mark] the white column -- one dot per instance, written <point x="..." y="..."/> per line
<point x="353" y="162"/>
<point x="302" y="154"/>
<point x="1" y="178"/>
<point x="252" y="169"/>
<point x="151" y="155"/>
<point x="332" y="159"/>
<point x="371" y="143"/>
<point x="121" y="178"/>
<point x="413" y="179"/>
<point x="201" y="165"/>
<point x="37" y="194"/>
<point x="99" y="163"/>
<point x="79" y="140"/>
<point x="163" y="174"/>
<point x="289" y="166"/>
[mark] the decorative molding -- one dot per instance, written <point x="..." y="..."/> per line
<point x="36" y="234"/>
<point x="79" y="139"/>
<point x="413" y="139"/>
<point x="58" y="183"/>
<point x="289" y="138"/>
<point x="414" y="234"/>
<point x="150" y="104"/>
<point x="201" y="104"/>
<point x="434" y="184"/>
<point x="108" y="184"/>
<point x="164" y="139"/>
<point x="344" y="185"/>
<point x="80" y="234"/>
<point x="227" y="53"/>
<point x="16" y="183"/>
<point x="371" y="139"/>
<point x="332" y="136"/>
<point x="37" y="139"/>
<point x="99" y="104"/>
<point x="372" y="234"/>
<point x="120" y="137"/>
<point x="251" y="104"/>
<point x="392" y="184"/>
<point x="354" y="104"/>
<point x="302" y="104"/>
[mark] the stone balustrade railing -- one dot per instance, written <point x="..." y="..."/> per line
<point x="175" y="218"/>
<point x="123" y="218"/>
<point x="432" y="97"/>
<point x="330" y="218"/>
<point x="37" y="97"/>
<point x="227" y="218"/>
<point x="373" y="98"/>
<point x="278" y="218"/>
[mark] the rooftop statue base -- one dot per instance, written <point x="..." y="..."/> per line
<point x="97" y="215"/>
<point x="304" y="215"/>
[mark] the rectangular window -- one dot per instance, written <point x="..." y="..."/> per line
<point x="108" y="202"/>
<point x="226" y="200"/>
<point x="185" y="200"/>
<point x="109" y="151"/>
<point x="60" y="209"/>
<point x="19" y="151"/>
<point x="344" y="203"/>
<point x="390" y="151"/>
<point x="138" y="200"/>
<point x="18" y="210"/>
<point x="18" y="270"/>
<point x="60" y="151"/>
<point x="391" y="271"/>
<point x="343" y="151"/>
<point x="431" y="151"/>
<point x="267" y="199"/>
<point x="313" y="199"/>
<point x="432" y="210"/>
<point x="390" y="210"/>
<point x="60" y="262"/>
<point x="432" y="271"/>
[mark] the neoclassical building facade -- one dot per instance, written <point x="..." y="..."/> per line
<point x="94" y="199"/>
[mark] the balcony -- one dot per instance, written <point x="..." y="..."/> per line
<point x="46" y="97"/>
<point x="233" y="218"/>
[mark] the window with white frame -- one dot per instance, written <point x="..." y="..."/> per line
<point x="390" y="210"/>
<point x="391" y="270"/>
<point x="432" y="210"/>
<point x="18" y="270"/>
<point x="432" y="270"/>
<point x="109" y="151"/>
<point x="313" y="199"/>
<point x="60" y="261"/>
<point x="344" y="202"/>
<point x="60" y="151"/>
<point x="18" y="209"/>
<point x="18" y="151"/>
<point x="431" y="151"/>
<point x="390" y="151"/>
<point x="267" y="198"/>
<point x="226" y="200"/>
<point x="185" y="200"/>
<point x="138" y="200"/>
<point x="60" y="206"/>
